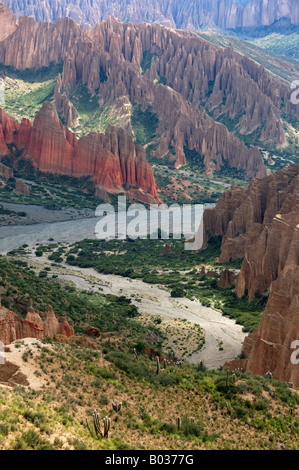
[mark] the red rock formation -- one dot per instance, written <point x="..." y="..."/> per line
<point x="12" y="327"/>
<point x="112" y="159"/>
<point x="196" y="74"/>
<point x="92" y="332"/>
<point x="258" y="224"/>
<point x="6" y="172"/>
<point x="63" y="105"/>
<point x="271" y="347"/>
<point x="227" y="278"/>
<point x="8" y="128"/>
<point x="261" y="224"/>
<point x="8" y="23"/>
<point x="22" y="187"/>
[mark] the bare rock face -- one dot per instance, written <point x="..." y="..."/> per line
<point x="92" y="332"/>
<point x="184" y="75"/>
<point x="8" y="23"/>
<point x="63" y="105"/>
<point x="261" y="225"/>
<point x="6" y="172"/>
<point x="22" y="187"/>
<point x="226" y="14"/>
<point x="12" y="327"/>
<point x="8" y="128"/>
<point x="112" y="159"/>
<point x="272" y="343"/>
<point x="227" y="278"/>
<point x="258" y="224"/>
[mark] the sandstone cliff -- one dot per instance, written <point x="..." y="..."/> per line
<point x="22" y="187"/>
<point x="63" y="105"/>
<point x="111" y="160"/>
<point x="188" y="82"/>
<point x="8" y="23"/>
<point x="12" y="327"/>
<point x="261" y="225"/>
<point x="6" y="172"/>
<point x="271" y="345"/>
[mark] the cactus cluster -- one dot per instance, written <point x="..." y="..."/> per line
<point x="116" y="406"/>
<point x="98" y="427"/>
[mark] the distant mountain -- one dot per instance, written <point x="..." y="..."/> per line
<point x="183" y="14"/>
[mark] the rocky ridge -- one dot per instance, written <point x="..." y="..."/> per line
<point x="13" y="327"/>
<point x="194" y="14"/>
<point x="261" y="225"/>
<point x="187" y="82"/>
<point x="111" y="160"/>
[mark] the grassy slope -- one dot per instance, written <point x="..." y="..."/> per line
<point x="280" y="44"/>
<point x="93" y="116"/>
<point x="245" y="412"/>
<point x="283" y="67"/>
<point x="25" y="92"/>
<point x="249" y="413"/>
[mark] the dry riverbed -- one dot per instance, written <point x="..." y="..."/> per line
<point x="222" y="336"/>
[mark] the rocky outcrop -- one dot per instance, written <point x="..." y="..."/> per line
<point x="272" y="344"/>
<point x="227" y="278"/>
<point x="92" y="332"/>
<point x="111" y="160"/>
<point x="22" y="188"/>
<point x="8" y="23"/>
<point x="261" y="225"/>
<point x="187" y="82"/>
<point x="6" y="172"/>
<point x="225" y="14"/>
<point x="12" y="327"/>
<point x="65" y="108"/>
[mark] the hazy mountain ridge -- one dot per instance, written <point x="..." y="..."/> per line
<point x="194" y="14"/>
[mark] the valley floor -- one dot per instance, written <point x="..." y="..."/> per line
<point x="223" y="336"/>
<point x="156" y="301"/>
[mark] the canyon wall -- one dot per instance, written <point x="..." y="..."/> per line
<point x="186" y="14"/>
<point x="187" y="83"/>
<point x="111" y="160"/>
<point x="13" y="327"/>
<point x="261" y="225"/>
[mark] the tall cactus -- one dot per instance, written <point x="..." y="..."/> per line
<point x="178" y="422"/>
<point x="107" y="424"/>
<point x="97" y="425"/>
<point x="116" y="406"/>
<point x="158" y="365"/>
